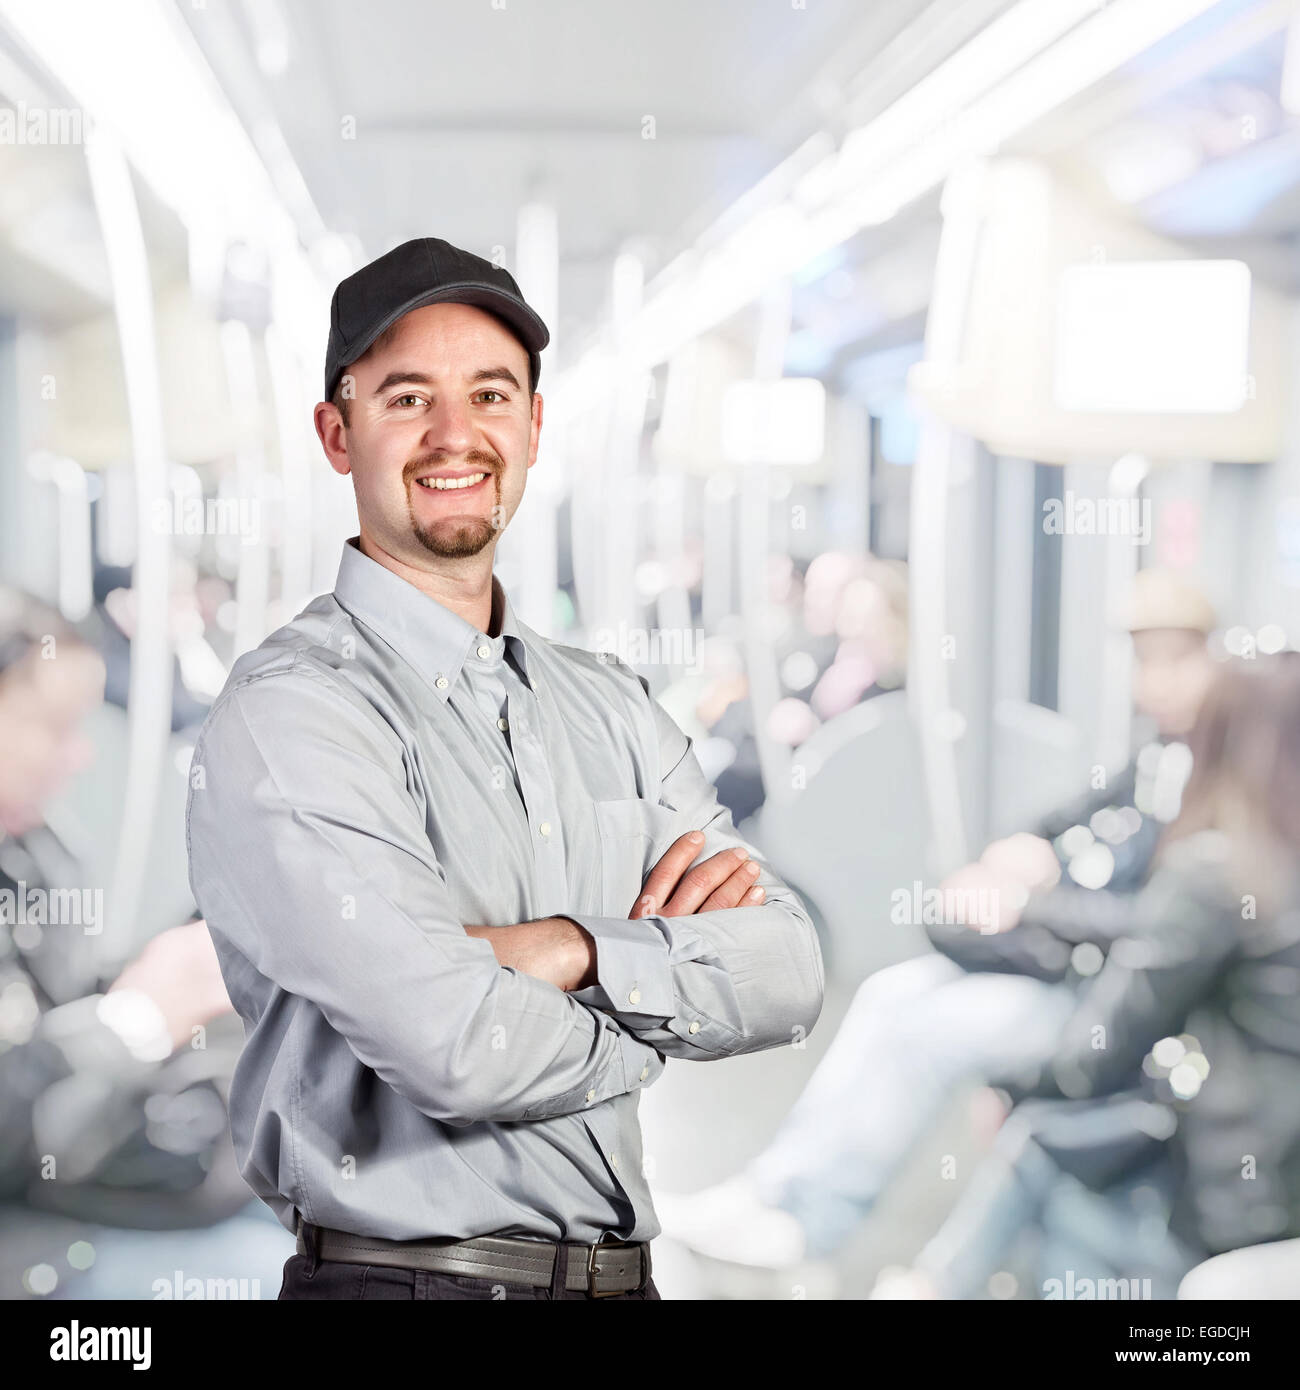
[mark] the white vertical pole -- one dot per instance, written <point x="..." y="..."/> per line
<point x="1115" y="735"/>
<point x="253" y="579"/>
<point x="537" y="271"/>
<point x="754" y="554"/>
<point x="928" y="685"/>
<point x="149" y="701"/>
<point x="287" y="394"/>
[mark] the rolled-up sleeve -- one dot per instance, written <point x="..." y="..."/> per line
<point x="309" y="855"/>
<point x="712" y="984"/>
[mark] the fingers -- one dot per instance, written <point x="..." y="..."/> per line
<point x="675" y="889"/>
<point x="739" y="890"/>
<point x="699" y="883"/>
<point x="664" y="877"/>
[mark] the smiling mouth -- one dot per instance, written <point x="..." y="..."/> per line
<point x="451" y="484"/>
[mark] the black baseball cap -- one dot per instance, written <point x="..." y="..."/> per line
<point x="425" y="271"/>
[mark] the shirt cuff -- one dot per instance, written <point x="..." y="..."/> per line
<point x="632" y="969"/>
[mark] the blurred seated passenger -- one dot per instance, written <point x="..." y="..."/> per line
<point x="1192" y="1024"/>
<point x="984" y="1004"/>
<point x="194" y="668"/>
<point x="109" y="1115"/>
<point x="840" y="641"/>
<point x="1105" y="839"/>
<point x="870" y="624"/>
<point x="1112" y="829"/>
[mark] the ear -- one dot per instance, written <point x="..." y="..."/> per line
<point x="333" y="436"/>
<point x="536" y="430"/>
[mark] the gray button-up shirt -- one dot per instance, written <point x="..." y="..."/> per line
<point x="377" y="774"/>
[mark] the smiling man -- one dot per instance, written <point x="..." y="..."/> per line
<point x="469" y="888"/>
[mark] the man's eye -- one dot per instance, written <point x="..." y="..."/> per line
<point x="408" y="397"/>
<point x="490" y="392"/>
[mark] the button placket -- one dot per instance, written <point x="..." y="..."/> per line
<point x="539" y="795"/>
<point x="487" y="690"/>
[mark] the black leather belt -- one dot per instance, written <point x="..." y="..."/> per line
<point x="600" y="1270"/>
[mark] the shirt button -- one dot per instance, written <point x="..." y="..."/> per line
<point x="545" y="828"/>
<point x="591" y="1095"/>
<point x="485" y="652"/>
<point x="503" y="724"/>
<point x="613" y="1158"/>
<point x="645" y="1071"/>
<point x="441" y="682"/>
<point x="634" y="997"/>
<point x="694" y="1028"/>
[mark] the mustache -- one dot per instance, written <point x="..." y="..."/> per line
<point x="489" y="463"/>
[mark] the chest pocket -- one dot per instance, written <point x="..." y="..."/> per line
<point x="634" y="833"/>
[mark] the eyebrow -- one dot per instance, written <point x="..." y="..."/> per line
<point x="413" y="378"/>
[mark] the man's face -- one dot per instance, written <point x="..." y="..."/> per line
<point x="42" y="704"/>
<point x="440" y="434"/>
<point x="1172" y="671"/>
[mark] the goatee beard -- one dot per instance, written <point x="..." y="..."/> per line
<point x="454" y="540"/>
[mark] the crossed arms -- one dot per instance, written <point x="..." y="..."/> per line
<point x="310" y="858"/>
<point x="563" y="952"/>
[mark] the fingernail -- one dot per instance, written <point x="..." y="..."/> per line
<point x="741" y="854"/>
<point x="756" y="895"/>
<point x="647" y="906"/>
<point x="751" y="867"/>
<point x="696" y="837"/>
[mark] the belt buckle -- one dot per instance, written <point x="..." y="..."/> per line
<point x="592" y="1290"/>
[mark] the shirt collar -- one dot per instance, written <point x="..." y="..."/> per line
<point x="433" y="639"/>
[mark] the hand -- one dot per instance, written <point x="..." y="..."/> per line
<point x="980" y="897"/>
<point x="675" y="889"/>
<point x="179" y="971"/>
<point x="562" y="953"/>
<point x="553" y="949"/>
<point x="1027" y="857"/>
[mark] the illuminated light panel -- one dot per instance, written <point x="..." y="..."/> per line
<point x="777" y="422"/>
<point x="1163" y="337"/>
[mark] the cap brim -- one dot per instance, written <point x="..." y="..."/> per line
<point x="531" y="330"/>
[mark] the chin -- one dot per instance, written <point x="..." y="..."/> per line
<point x="454" y="540"/>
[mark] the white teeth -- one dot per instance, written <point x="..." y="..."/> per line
<point x="445" y="484"/>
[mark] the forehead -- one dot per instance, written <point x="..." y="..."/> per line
<point x="447" y="337"/>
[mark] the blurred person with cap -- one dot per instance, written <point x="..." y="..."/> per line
<point x="450" y="867"/>
<point x="1179" y="1137"/>
<point x="1169" y="621"/>
<point x="984" y="1003"/>
<point x="83" y="1059"/>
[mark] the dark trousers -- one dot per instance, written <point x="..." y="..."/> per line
<point x="305" y="1277"/>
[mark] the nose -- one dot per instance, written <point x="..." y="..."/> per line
<point x="449" y="426"/>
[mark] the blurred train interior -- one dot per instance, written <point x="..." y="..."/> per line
<point x="891" y="344"/>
